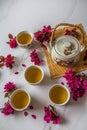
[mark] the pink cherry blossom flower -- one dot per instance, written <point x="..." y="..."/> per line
<point x="7" y="110"/>
<point x="35" y="58"/>
<point x="43" y="35"/>
<point x="72" y="32"/>
<point x="50" y="116"/>
<point x="9" y="61"/>
<point x="12" y="41"/>
<point x="77" y="83"/>
<point x="9" y="87"/>
<point x="85" y="85"/>
<point x="57" y="121"/>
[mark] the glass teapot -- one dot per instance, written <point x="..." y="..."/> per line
<point x="65" y="50"/>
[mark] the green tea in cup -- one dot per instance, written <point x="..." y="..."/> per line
<point x="34" y="74"/>
<point x="59" y="94"/>
<point x="20" y="99"/>
<point x="24" y="38"/>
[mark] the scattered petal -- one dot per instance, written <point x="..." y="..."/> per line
<point x="23" y="65"/>
<point x="34" y="116"/>
<point x="31" y="107"/>
<point x="25" y="113"/>
<point x="16" y="73"/>
<point x="62" y="83"/>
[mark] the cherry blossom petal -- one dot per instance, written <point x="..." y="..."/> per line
<point x="16" y="72"/>
<point x="23" y="65"/>
<point x="25" y="113"/>
<point x="31" y="107"/>
<point x="34" y="116"/>
<point x="62" y="83"/>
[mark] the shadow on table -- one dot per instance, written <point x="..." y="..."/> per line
<point x="37" y="107"/>
<point x="37" y="103"/>
<point x="47" y="81"/>
<point x="34" y="45"/>
<point x="80" y="102"/>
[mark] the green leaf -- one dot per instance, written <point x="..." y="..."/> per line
<point x="6" y="95"/>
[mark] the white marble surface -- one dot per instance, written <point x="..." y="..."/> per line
<point x="31" y="15"/>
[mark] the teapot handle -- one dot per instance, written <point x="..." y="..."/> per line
<point x="71" y="25"/>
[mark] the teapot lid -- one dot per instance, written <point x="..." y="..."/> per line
<point x="67" y="46"/>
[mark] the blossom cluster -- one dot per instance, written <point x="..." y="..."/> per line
<point x="77" y="83"/>
<point x="9" y="61"/>
<point x="9" y="87"/>
<point x="43" y="35"/>
<point x="12" y="41"/>
<point x="35" y="58"/>
<point x="7" y="110"/>
<point x="50" y="115"/>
